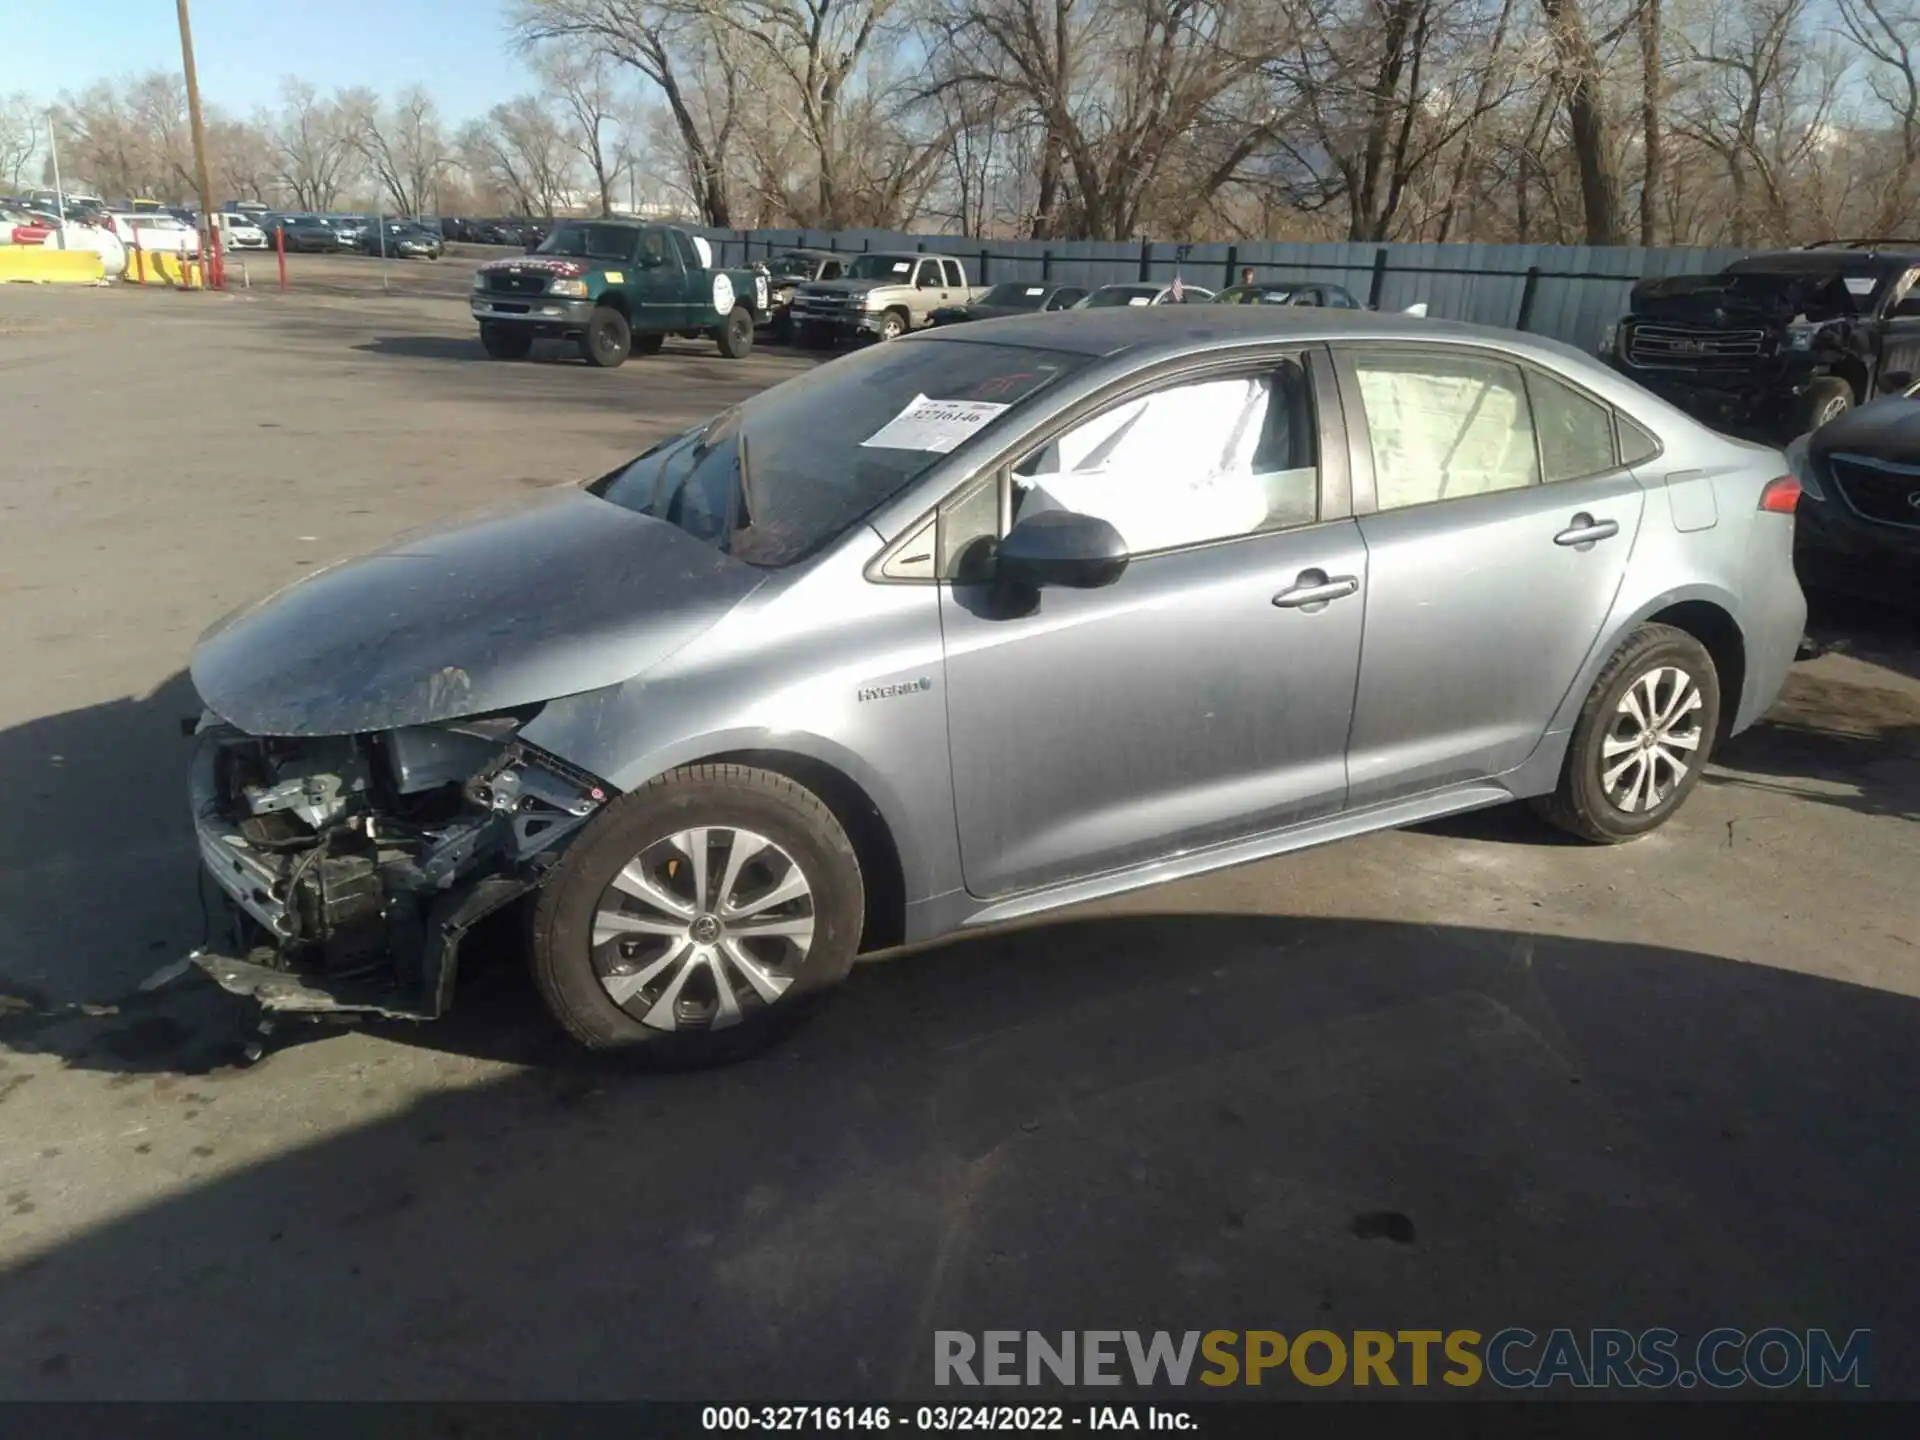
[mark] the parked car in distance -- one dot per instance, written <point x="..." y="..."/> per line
<point x="1778" y="344"/>
<point x="306" y="234"/>
<point x="401" y="239"/>
<point x="881" y="296"/>
<point x="22" y="227"/>
<point x="615" y="288"/>
<point x="153" y="230"/>
<point x="787" y="271"/>
<point x="1857" y="531"/>
<point x="1279" y="292"/>
<point x="794" y="682"/>
<point x="1149" y="293"/>
<point x="1014" y="297"/>
<point x="239" y="232"/>
<point x="351" y="229"/>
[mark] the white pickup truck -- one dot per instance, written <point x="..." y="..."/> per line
<point x="883" y="294"/>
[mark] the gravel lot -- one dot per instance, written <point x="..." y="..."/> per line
<point x="1668" y="1084"/>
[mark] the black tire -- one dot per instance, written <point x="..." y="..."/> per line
<point x="1581" y="804"/>
<point x="707" y="797"/>
<point x="1827" y="398"/>
<point x="647" y="343"/>
<point x="608" y="340"/>
<point x="893" y="325"/>
<point x="503" y="343"/>
<point x="735" y="334"/>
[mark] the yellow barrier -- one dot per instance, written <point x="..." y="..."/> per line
<point x="50" y="267"/>
<point x="165" y="267"/>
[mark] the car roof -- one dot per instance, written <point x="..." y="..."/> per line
<point x="1176" y="329"/>
<point x="1825" y="260"/>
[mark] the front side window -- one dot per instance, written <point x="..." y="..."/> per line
<point x="1186" y="464"/>
<point x="1576" y="434"/>
<point x="1445" y="427"/>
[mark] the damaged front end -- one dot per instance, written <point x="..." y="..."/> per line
<point x="356" y="863"/>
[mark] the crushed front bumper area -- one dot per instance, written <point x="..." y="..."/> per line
<point x="355" y="865"/>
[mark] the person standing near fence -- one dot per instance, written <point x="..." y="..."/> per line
<point x="1246" y="274"/>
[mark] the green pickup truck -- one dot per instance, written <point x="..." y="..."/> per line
<point x="616" y="288"/>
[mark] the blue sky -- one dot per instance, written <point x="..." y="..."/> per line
<point x="242" y="48"/>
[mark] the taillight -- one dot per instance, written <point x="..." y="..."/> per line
<point x="1781" y="495"/>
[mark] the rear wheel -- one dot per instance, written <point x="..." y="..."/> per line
<point x="697" y="915"/>
<point x="1642" y="740"/>
<point x="1827" y="399"/>
<point x="608" y="340"/>
<point x="504" y="344"/>
<point x="735" y="334"/>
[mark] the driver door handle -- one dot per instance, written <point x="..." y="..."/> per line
<point x="1316" y="587"/>
<point x="1584" y="530"/>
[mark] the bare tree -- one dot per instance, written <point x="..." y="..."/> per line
<point x="1888" y="37"/>
<point x="315" y="145"/>
<point x="692" y="62"/>
<point x="522" y="150"/>
<point x="23" y="131"/>
<point x="1582" y="82"/>
<point x="404" y="145"/>
<point x="599" y="126"/>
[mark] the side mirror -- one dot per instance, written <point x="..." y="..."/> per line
<point x="1060" y="547"/>
<point x="651" y="261"/>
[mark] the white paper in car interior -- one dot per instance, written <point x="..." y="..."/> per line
<point x="900" y="267"/>
<point x="1860" y="284"/>
<point x="932" y="425"/>
<point x="1139" y="300"/>
<point x="1036" y="289"/>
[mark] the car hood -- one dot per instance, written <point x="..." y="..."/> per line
<point x="1885" y="429"/>
<point x="561" y="593"/>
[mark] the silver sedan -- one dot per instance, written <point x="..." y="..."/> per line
<point x="994" y="620"/>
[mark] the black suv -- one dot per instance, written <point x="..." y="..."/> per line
<point x="1778" y="344"/>
<point x="1857" y="529"/>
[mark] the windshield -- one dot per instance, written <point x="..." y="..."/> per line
<point x="1253" y="295"/>
<point x="791" y="265"/>
<point x="1123" y="295"/>
<point x="881" y="267"/>
<point x="591" y="242"/>
<point x="769" y="483"/>
<point x="1798" y="284"/>
<point x="1015" y="297"/>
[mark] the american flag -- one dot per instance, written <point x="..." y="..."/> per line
<point x="1178" y="293"/>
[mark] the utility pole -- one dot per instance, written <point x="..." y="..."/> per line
<point x="210" y="228"/>
<point x="59" y="194"/>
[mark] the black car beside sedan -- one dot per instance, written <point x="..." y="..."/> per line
<point x="1016" y="297"/>
<point x="306" y="234"/>
<point x="1857" y="528"/>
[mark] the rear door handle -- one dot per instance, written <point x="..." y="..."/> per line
<point x="1585" y="530"/>
<point x="1316" y="587"/>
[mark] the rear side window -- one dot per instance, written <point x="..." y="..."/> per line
<point x="1576" y="434"/>
<point x="952" y="267"/>
<point x="1445" y="427"/>
<point x="1637" y="446"/>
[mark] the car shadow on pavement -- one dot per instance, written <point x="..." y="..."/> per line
<point x="1180" y="1122"/>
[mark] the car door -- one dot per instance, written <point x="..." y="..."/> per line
<point x="1497" y="521"/>
<point x="1900" y="345"/>
<point x="658" y="283"/>
<point x="1204" y="695"/>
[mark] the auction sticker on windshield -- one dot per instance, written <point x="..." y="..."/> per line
<point x="933" y="425"/>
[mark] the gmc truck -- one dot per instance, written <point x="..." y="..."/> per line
<point x="884" y="295"/>
<point x="615" y="288"/>
<point x="1777" y="344"/>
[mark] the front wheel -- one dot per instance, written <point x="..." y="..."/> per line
<point x="1642" y="741"/>
<point x="735" y="334"/>
<point x="1826" y="399"/>
<point x="892" y="325"/>
<point x="504" y="344"/>
<point x="697" y="915"/>
<point x="608" y="341"/>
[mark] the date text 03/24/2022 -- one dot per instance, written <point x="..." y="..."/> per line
<point x="939" y="1419"/>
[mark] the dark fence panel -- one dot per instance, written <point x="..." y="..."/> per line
<point x="1567" y="292"/>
